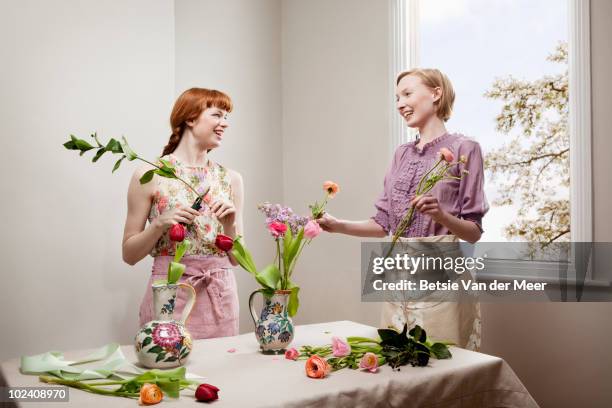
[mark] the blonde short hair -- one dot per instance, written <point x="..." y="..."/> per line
<point x="433" y="78"/>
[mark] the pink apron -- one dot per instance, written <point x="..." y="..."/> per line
<point x="216" y="310"/>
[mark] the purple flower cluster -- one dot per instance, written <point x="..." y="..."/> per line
<point x="276" y="212"/>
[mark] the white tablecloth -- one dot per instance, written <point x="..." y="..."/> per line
<point x="249" y="378"/>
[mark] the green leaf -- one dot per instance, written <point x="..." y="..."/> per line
<point x="70" y="145"/>
<point x="114" y="146"/>
<point x="181" y="248"/>
<point x="155" y="350"/>
<point x="294" y="301"/>
<point x="294" y="249"/>
<point x="166" y="163"/>
<point x="148" y="176"/>
<point x="148" y="330"/>
<point x="82" y="145"/>
<point x="99" y="154"/>
<point x="441" y="351"/>
<point x="165" y="173"/>
<point x="269" y="276"/>
<point x="170" y="386"/>
<point x="116" y="166"/>
<point x="418" y="333"/>
<point x="127" y="150"/>
<point x="287" y="241"/>
<point x="175" y="271"/>
<point x="243" y="256"/>
<point x="147" y="341"/>
<point x="160" y="357"/>
<point x="392" y="338"/>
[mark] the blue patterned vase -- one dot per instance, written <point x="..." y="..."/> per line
<point x="273" y="326"/>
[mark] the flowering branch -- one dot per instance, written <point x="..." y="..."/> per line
<point x="121" y="147"/>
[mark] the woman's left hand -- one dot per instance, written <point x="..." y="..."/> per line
<point x="428" y="204"/>
<point x="226" y="214"/>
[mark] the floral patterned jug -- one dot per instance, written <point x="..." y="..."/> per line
<point x="165" y="342"/>
<point x="273" y="327"/>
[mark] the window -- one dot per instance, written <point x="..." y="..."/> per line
<point x="476" y="42"/>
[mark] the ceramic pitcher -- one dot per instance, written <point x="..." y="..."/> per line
<point x="273" y="326"/>
<point x="165" y="342"/>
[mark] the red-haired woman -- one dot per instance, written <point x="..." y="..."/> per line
<point x="452" y="210"/>
<point x="198" y="122"/>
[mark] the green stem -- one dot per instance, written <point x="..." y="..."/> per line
<point x="177" y="177"/>
<point x="278" y="253"/>
<point x="86" y="387"/>
<point x="357" y="339"/>
<point x="427" y="174"/>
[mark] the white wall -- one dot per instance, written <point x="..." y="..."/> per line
<point x="75" y="67"/>
<point x="335" y="107"/>
<point x="234" y="46"/>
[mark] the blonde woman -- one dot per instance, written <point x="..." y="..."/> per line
<point x="452" y="210"/>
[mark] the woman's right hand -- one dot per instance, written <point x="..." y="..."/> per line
<point x="329" y="223"/>
<point x="177" y="215"/>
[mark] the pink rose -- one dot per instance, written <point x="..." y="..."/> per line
<point x="340" y="348"/>
<point x="277" y="229"/>
<point x="292" y="354"/>
<point x="369" y="362"/>
<point x="447" y="155"/>
<point x="312" y="229"/>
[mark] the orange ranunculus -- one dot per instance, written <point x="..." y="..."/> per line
<point x="447" y="155"/>
<point x="150" y="394"/>
<point x="317" y="367"/>
<point x="331" y="188"/>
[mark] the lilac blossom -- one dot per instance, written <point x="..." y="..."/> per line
<point x="276" y="212"/>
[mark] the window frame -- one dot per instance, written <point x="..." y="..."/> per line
<point x="404" y="53"/>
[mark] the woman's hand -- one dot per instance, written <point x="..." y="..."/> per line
<point x="225" y="211"/>
<point x="329" y="223"/>
<point x="428" y="204"/>
<point x="176" y="215"/>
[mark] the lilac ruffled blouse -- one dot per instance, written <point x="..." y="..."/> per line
<point x="463" y="198"/>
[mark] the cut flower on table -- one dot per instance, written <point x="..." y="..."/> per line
<point x="392" y="347"/>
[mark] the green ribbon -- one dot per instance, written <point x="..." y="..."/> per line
<point x="113" y="362"/>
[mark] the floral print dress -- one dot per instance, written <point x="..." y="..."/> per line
<point x="172" y="193"/>
<point x="208" y="270"/>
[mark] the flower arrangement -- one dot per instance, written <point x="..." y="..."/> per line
<point x="393" y="348"/>
<point x="291" y="232"/>
<point x="440" y="171"/>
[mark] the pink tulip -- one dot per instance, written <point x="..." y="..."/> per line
<point x="277" y="229"/>
<point x="340" y="348"/>
<point x="369" y="362"/>
<point x="292" y="354"/>
<point x="312" y="229"/>
<point x="447" y="155"/>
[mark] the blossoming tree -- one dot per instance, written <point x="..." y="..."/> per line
<point x="533" y="167"/>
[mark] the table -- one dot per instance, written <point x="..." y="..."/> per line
<point x="248" y="378"/>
